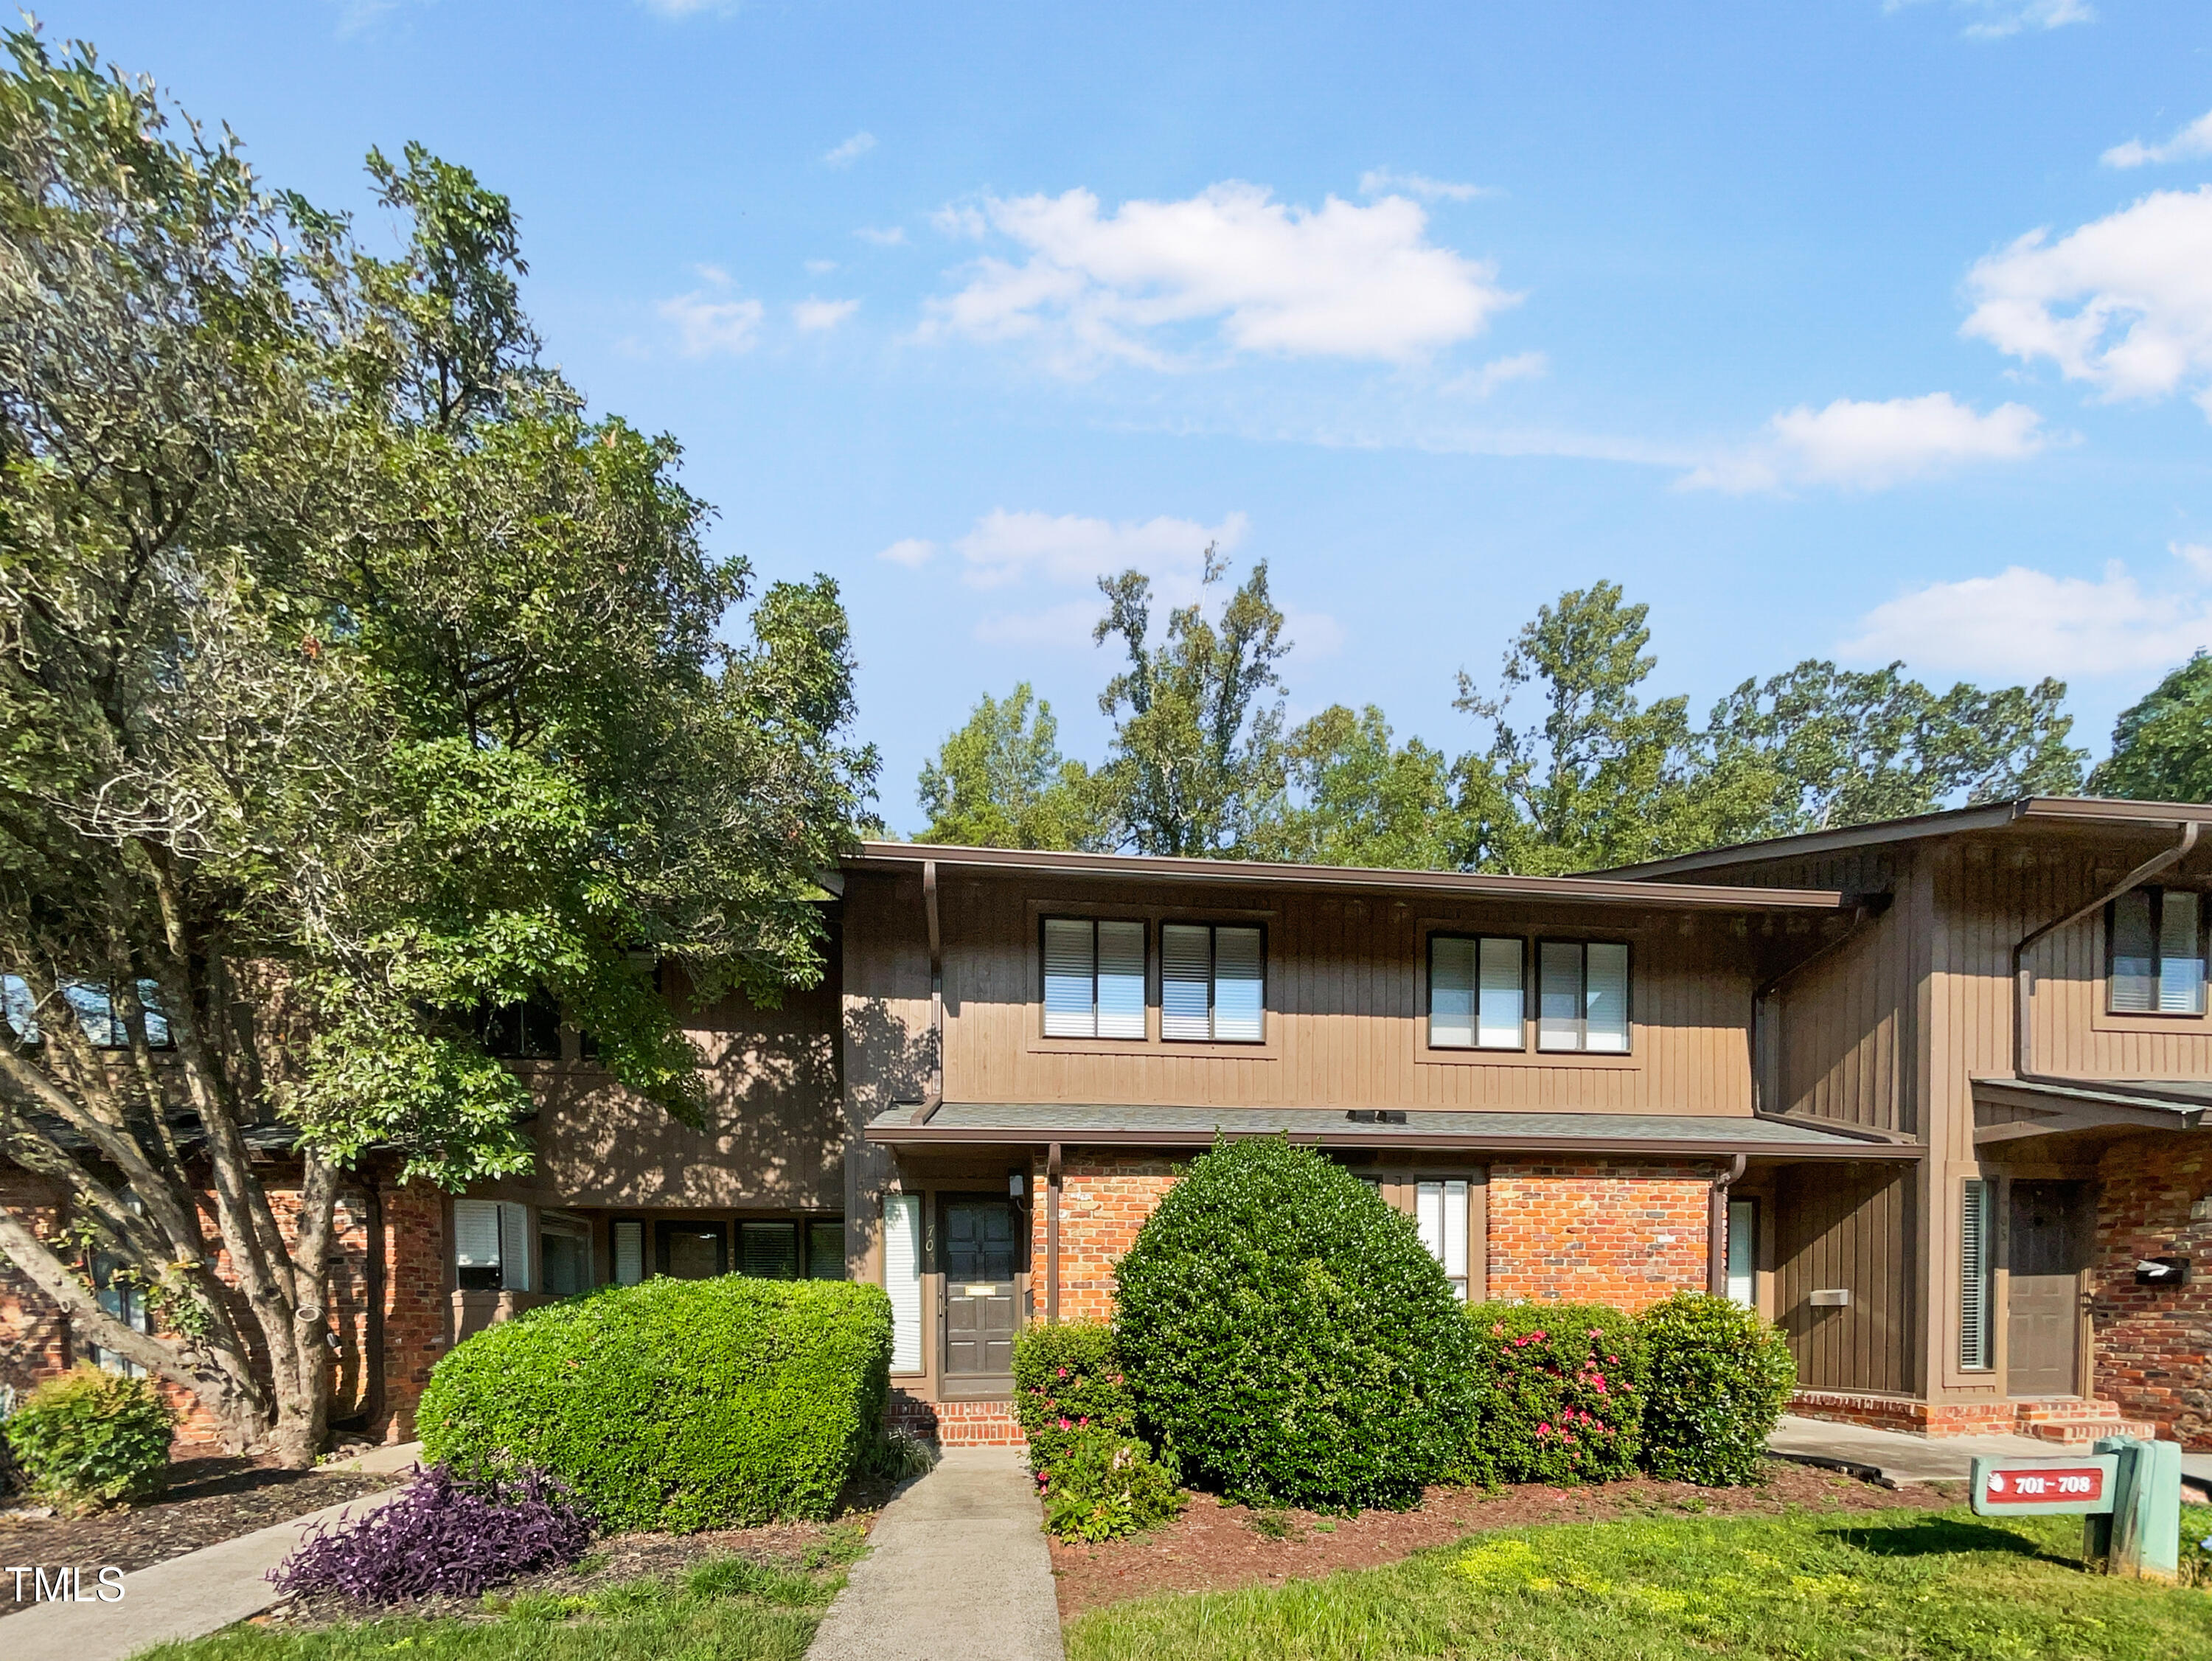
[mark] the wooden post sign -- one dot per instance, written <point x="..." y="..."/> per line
<point x="2127" y="1493"/>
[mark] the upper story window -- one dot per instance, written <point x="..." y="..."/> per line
<point x="1213" y="982"/>
<point x="1582" y="996"/>
<point x="529" y="1031"/>
<point x="1094" y="978"/>
<point x="1477" y="996"/>
<point x="97" y="1017"/>
<point x="2156" y="942"/>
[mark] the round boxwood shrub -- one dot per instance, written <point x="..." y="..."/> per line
<point x="1562" y="1397"/>
<point x="91" y="1438"/>
<point x="1290" y="1339"/>
<point x="1717" y="1379"/>
<point x="675" y="1404"/>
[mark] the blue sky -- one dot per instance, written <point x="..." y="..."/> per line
<point x="1828" y="327"/>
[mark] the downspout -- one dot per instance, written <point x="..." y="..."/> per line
<point x="2023" y="977"/>
<point x="1717" y="1228"/>
<point x="935" y="1098"/>
<point x="1052" y="1235"/>
<point x="1865" y="910"/>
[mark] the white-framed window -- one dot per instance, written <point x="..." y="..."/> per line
<point x="1582" y="996"/>
<point x="902" y="1278"/>
<point x="1213" y="982"/>
<point x="1743" y="1252"/>
<point x="1440" y="1210"/>
<point x="491" y="1245"/>
<point x="1976" y="1276"/>
<point x="1478" y="998"/>
<point x="1094" y="978"/>
<point x="2155" y="943"/>
<point x="122" y="1298"/>
<point x="628" y="1236"/>
<point x="564" y="1254"/>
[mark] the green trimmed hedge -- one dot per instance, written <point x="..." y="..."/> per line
<point x="675" y="1404"/>
<point x="1290" y="1340"/>
<point x="1562" y="1399"/>
<point x="1716" y="1379"/>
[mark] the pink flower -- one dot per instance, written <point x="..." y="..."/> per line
<point x="1066" y="1424"/>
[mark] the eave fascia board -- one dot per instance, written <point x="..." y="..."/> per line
<point x="895" y="1136"/>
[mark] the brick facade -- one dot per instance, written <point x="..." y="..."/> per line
<point x="2154" y="1344"/>
<point x="1104" y="1200"/>
<point x="34" y="1337"/>
<point x="1598" y="1231"/>
<point x="955" y="1424"/>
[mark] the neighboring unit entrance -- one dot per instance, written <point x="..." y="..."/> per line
<point x="2046" y="1252"/>
<point x="981" y="1251"/>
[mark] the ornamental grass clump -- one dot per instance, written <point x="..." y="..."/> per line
<point x="1289" y="1339"/>
<point x="1717" y="1379"/>
<point x="92" y="1438"/>
<point x="441" y="1536"/>
<point x="1562" y="1399"/>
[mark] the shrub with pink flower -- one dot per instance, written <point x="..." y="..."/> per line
<point x="1562" y="1399"/>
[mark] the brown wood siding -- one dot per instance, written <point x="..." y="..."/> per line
<point x="1343" y="1006"/>
<point x="1852" y="1227"/>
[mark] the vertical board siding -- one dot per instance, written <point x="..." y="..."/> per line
<point x="1343" y="1004"/>
<point x="1847" y="1227"/>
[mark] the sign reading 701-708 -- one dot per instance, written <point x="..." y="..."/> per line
<point x="2080" y="1487"/>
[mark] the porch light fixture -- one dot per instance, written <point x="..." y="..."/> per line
<point x="1014" y="1184"/>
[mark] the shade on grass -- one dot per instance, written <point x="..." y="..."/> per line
<point x="1825" y="1586"/>
<point x="731" y="1609"/>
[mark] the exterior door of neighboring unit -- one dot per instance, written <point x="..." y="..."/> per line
<point x="982" y="1253"/>
<point x="2046" y="1252"/>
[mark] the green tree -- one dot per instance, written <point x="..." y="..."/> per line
<point x="999" y="781"/>
<point x="351" y="679"/>
<point x="2162" y="743"/>
<point x="1356" y="796"/>
<point x="1851" y="747"/>
<point x="1197" y="754"/>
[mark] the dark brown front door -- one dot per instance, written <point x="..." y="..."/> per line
<point x="2046" y="1255"/>
<point x="981" y="1255"/>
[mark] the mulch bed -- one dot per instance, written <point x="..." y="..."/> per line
<point x="210" y="1500"/>
<point x="1214" y="1546"/>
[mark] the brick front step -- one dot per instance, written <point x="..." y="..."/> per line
<point x="2067" y="1420"/>
<point x="955" y="1424"/>
<point x="2080" y="1433"/>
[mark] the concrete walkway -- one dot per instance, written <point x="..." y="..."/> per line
<point x="1891" y="1457"/>
<point x="957" y="1570"/>
<point x="187" y="1597"/>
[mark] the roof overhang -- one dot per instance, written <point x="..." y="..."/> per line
<point x="1225" y="873"/>
<point x="2054" y="811"/>
<point x="970" y="1124"/>
<point x="2019" y="1109"/>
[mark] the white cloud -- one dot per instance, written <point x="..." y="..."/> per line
<point x="1994" y="20"/>
<point x="2195" y="139"/>
<point x="709" y="325"/>
<point x="814" y="315"/>
<point x="1336" y="281"/>
<point x="1867" y="445"/>
<point x="820" y="267"/>
<point x="1481" y="383"/>
<point x="2123" y="303"/>
<point x="2025" y="624"/>
<point x="1006" y="548"/>
<point x="890" y="236"/>
<point x="1065" y="625"/>
<point x="912" y="552"/>
<point x="845" y="154"/>
<point x="688" y="8"/>
<point x="1381" y="181"/>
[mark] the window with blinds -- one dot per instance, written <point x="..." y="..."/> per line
<point x="630" y="1251"/>
<point x="1094" y="978"/>
<point x="491" y="1245"/>
<point x="1213" y="982"/>
<point x="1440" y="1210"/>
<point x="2155" y="942"/>
<point x="826" y="1249"/>
<point x="1477" y="1000"/>
<point x="1976" y="1278"/>
<point x="902" y="1278"/>
<point x="1582" y="996"/>
<point x="769" y="1250"/>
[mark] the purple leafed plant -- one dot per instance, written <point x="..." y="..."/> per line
<point x="441" y="1534"/>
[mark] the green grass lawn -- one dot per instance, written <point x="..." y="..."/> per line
<point x="727" y="1610"/>
<point x="1865" y="1586"/>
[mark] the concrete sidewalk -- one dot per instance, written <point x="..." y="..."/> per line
<point x="957" y="1570"/>
<point x="1891" y="1457"/>
<point x="187" y="1597"/>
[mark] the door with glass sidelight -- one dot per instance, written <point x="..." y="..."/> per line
<point x="980" y="1251"/>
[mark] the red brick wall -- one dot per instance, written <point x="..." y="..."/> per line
<point x="34" y="1338"/>
<point x="417" y="1308"/>
<point x="1598" y="1231"/>
<point x="2152" y="1342"/>
<point x="1104" y="1200"/>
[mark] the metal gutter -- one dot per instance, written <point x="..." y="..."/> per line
<point x="1717" y="1228"/>
<point x="899" y="855"/>
<point x="928" y="1136"/>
